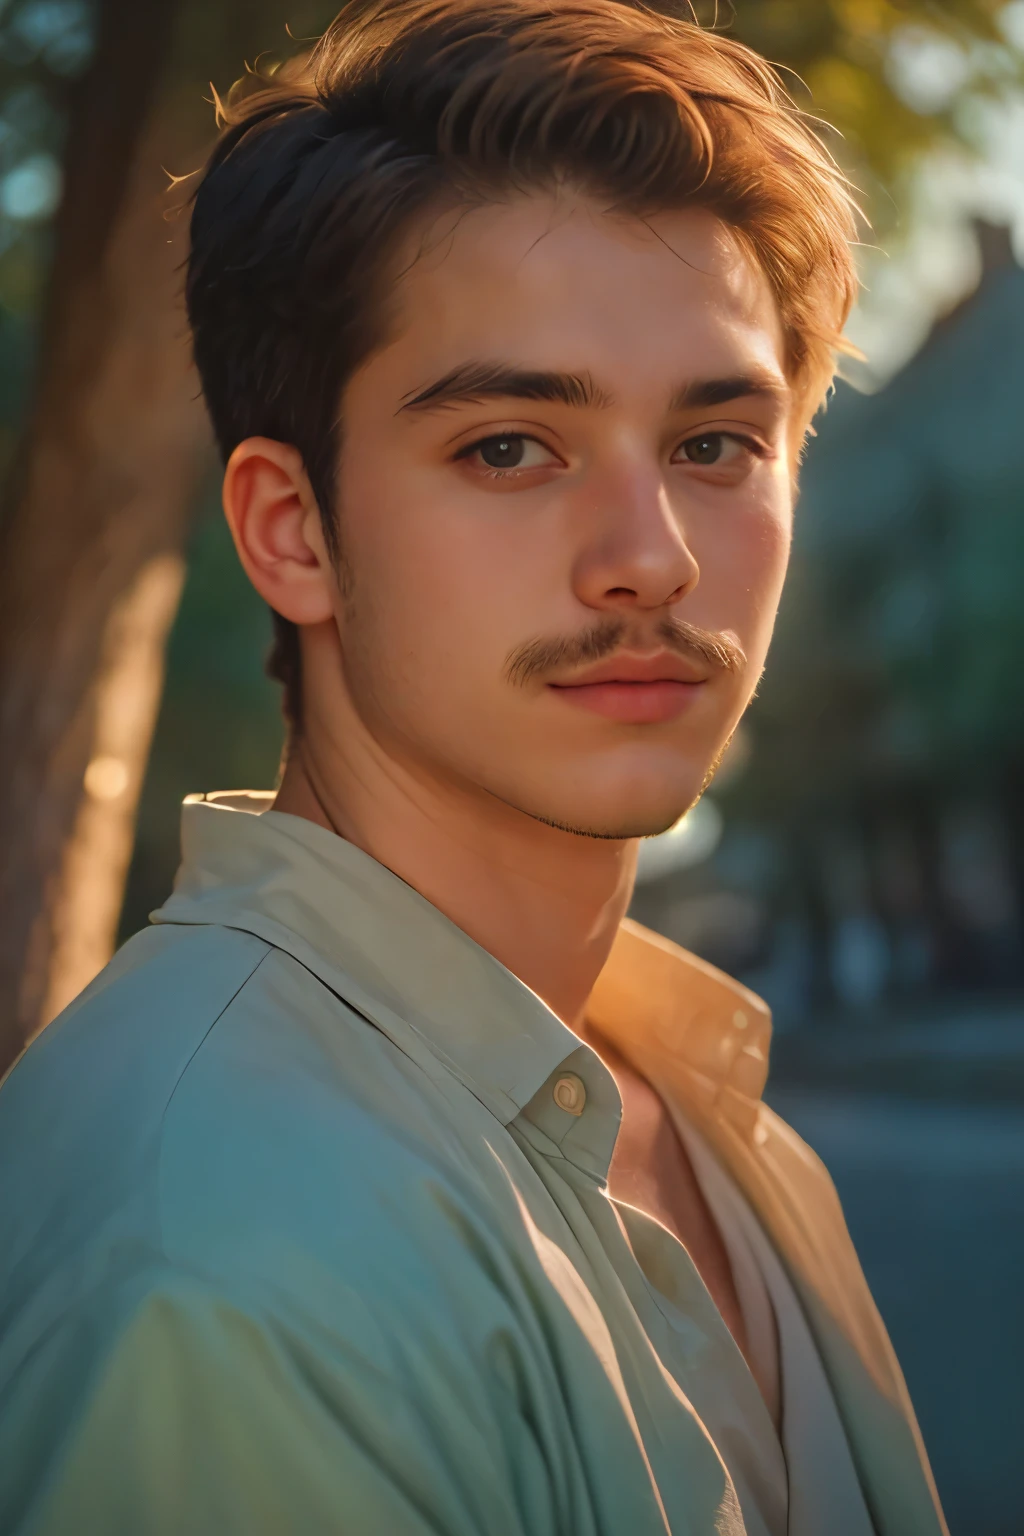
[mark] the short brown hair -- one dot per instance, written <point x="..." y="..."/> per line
<point x="318" y="173"/>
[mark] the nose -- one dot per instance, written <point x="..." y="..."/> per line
<point x="635" y="556"/>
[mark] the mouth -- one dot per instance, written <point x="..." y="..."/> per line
<point x="636" y="690"/>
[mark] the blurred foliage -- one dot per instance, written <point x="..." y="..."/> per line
<point x="45" y="45"/>
<point x="45" y="48"/>
<point x="890" y="76"/>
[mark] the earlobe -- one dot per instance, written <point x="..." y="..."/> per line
<point x="274" y="521"/>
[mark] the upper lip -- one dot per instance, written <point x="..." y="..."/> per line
<point x="663" y="667"/>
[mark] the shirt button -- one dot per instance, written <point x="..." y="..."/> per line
<point x="569" y="1094"/>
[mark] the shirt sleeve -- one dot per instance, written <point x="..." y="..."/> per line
<point x="186" y="1412"/>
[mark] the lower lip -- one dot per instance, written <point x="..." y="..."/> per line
<point x="633" y="703"/>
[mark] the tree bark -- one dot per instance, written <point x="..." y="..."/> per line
<point x="96" y="519"/>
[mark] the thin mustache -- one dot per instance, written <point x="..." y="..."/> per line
<point x="540" y="656"/>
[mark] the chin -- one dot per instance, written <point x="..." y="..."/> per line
<point x="620" y="831"/>
<point x="618" y="797"/>
<point x="638" y="811"/>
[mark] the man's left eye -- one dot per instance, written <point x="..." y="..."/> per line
<point x="713" y="449"/>
<point x="508" y="452"/>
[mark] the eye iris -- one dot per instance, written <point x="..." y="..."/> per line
<point x="502" y="452"/>
<point x="705" y="450"/>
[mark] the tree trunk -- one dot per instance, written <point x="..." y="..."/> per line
<point x="95" y="523"/>
<point x="98" y="508"/>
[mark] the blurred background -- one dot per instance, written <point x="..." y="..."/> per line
<point x="860" y="859"/>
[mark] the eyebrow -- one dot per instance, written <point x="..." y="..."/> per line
<point x="476" y="381"/>
<point x="699" y="394"/>
<point x="472" y="382"/>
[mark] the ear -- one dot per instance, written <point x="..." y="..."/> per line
<point x="275" y="523"/>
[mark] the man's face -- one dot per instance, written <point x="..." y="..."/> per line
<point x="565" y="506"/>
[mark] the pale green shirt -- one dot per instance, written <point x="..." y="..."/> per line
<point x="305" y="1229"/>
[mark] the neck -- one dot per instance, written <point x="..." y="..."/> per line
<point x="545" y="903"/>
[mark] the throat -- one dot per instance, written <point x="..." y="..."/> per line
<point x="545" y="902"/>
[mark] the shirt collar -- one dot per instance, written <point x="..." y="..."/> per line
<point x="695" y="1033"/>
<point x="378" y="944"/>
<point x="370" y="938"/>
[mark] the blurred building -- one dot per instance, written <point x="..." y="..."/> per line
<point x="873" y="843"/>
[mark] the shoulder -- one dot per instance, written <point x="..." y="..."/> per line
<point x="795" y="1197"/>
<point x="794" y="1159"/>
<point x="211" y="1106"/>
<point x="142" y="1018"/>
<point x="81" y="1110"/>
<point x="111" y="1060"/>
<point x="105" y="1069"/>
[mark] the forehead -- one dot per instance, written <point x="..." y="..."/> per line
<point x="557" y="282"/>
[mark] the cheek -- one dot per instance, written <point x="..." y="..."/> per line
<point x="768" y="552"/>
<point x="765" y="514"/>
<point x="440" y="591"/>
<point x="743" y="556"/>
<point x="764" y="558"/>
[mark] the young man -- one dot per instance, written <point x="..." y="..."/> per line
<point x="511" y="321"/>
